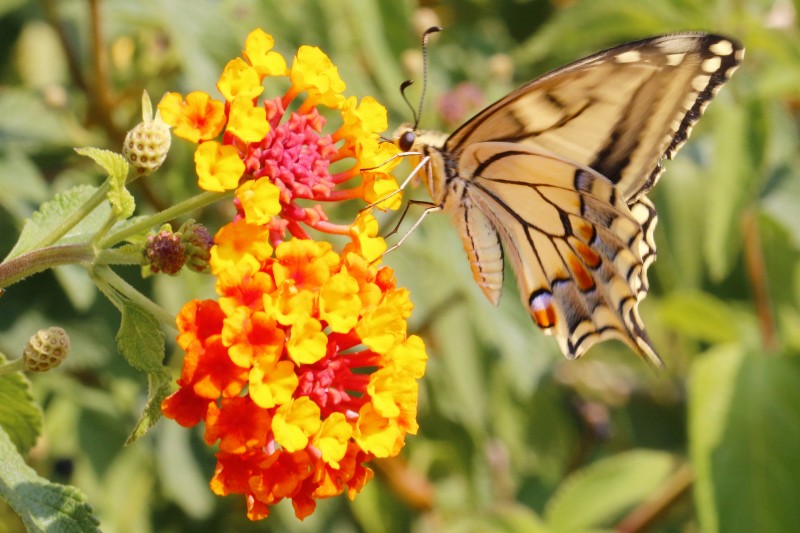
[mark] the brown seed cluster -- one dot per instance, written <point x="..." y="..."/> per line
<point x="146" y="146"/>
<point x="46" y="349"/>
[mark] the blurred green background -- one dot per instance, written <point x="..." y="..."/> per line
<point x="512" y="437"/>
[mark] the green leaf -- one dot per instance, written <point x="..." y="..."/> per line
<point x="42" y="505"/>
<point x="51" y="216"/>
<point x="182" y="477"/>
<point x="116" y="165"/>
<point x="29" y="124"/>
<point x="700" y="316"/>
<point x="729" y="184"/>
<point x="516" y="518"/>
<point x="22" y="184"/>
<point x="20" y="415"/>
<point x="77" y="286"/>
<point x="781" y="204"/>
<point x="140" y="339"/>
<point x="594" y="496"/>
<point x="744" y="440"/>
<point x="506" y="518"/>
<point x="158" y="389"/>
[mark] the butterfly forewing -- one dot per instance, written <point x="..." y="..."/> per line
<point x="557" y="172"/>
<point x="619" y="112"/>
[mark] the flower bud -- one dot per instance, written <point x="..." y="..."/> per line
<point x="198" y="242"/>
<point x="167" y="251"/>
<point x="46" y="349"/>
<point x="147" y="144"/>
<point x="164" y="252"/>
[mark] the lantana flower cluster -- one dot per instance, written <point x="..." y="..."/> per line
<point x="274" y="157"/>
<point x="302" y="369"/>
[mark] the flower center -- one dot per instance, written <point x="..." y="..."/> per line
<point x="294" y="155"/>
<point x="332" y="383"/>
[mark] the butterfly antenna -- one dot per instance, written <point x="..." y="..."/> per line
<point x="425" y="37"/>
<point x="403" y="86"/>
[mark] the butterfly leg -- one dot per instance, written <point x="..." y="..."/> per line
<point x="395" y="156"/>
<point x="430" y="208"/>
<point x="405" y="183"/>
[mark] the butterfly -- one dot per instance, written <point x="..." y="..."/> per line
<point x="555" y="175"/>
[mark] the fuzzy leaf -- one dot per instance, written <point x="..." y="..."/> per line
<point x="140" y="339"/>
<point x="158" y="389"/>
<point x="20" y="415"/>
<point x="51" y="216"/>
<point x="116" y="165"/>
<point x="42" y="505"/>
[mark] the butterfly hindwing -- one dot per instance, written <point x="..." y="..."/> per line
<point x="571" y="238"/>
<point x="482" y="244"/>
<point x="644" y="212"/>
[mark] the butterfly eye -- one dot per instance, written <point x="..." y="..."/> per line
<point x="406" y="141"/>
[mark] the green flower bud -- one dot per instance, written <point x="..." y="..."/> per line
<point x="198" y="243"/>
<point x="147" y="144"/>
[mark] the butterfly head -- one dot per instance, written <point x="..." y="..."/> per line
<point x="413" y="141"/>
<point x="405" y="138"/>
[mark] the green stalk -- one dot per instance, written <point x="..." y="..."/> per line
<point x="114" y="287"/>
<point x="196" y="202"/>
<point x="17" y="365"/>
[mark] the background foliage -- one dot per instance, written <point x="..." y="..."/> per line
<point x="513" y="438"/>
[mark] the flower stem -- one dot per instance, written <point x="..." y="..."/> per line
<point x="340" y="195"/>
<point x="345" y="175"/>
<point x="329" y="227"/>
<point x="17" y="365"/>
<point x="109" y="223"/>
<point x="115" y="288"/>
<point x="30" y="263"/>
<point x="196" y="202"/>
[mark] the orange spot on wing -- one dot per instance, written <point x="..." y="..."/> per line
<point x="582" y="276"/>
<point x="545" y="318"/>
<point x="585" y="231"/>
<point x="542" y="310"/>
<point x="589" y="256"/>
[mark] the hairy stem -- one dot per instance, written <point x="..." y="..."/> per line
<point x="30" y="263"/>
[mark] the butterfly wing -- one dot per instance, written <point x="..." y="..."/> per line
<point x="619" y="112"/>
<point x="576" y="247"/>
<point x="558" y="171"/>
